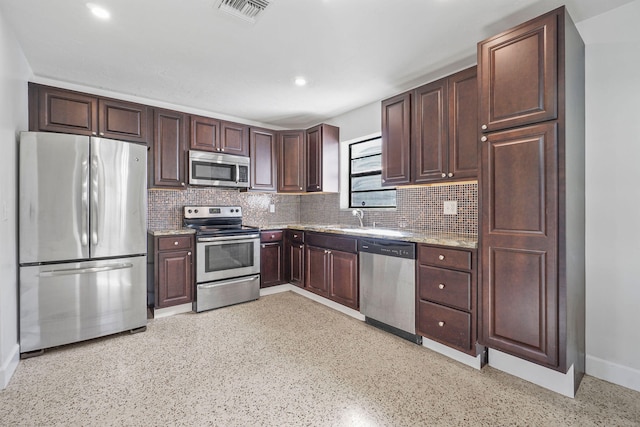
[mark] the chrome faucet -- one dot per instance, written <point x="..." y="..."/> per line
<point x="359" y="213"/>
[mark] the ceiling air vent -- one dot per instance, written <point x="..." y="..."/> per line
<point x="244" y="9"/>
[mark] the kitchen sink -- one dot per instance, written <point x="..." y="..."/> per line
<point x="375" y="231"/>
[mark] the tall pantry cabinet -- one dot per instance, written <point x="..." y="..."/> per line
<point x="531" y="114"/>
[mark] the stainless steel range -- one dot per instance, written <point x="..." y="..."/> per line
<point x="227" y="256"/>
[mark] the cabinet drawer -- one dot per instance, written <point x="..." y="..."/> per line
<point x="295" y="236"/>
<point x="174" y="242"/>
<point x="443" y="286"/>
<point x="346" y="244"/>
<point x="440" y="257"/>
<point x="444" y="324"/>
<point x="270" y="236"/>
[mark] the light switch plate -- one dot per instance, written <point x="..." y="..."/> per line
<point x="451" y="207"/>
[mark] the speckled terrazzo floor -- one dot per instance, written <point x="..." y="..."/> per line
<point x="284" y="360"/>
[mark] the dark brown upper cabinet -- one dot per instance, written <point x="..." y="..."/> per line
<point x="263" y="147"/>
<point x="234" y="138"/>
<point x="59" y="110"/>
<point x="519" y="75"/>
<point x="322" y="158"/>
<point x="396" y="140"/>
<point x="168" y="153"/>
<point x="205" y="134"/>
<point x="291" y="164"/>
<point x="435" y="123"/>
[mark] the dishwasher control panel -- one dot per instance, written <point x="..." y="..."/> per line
<point x="392" y="248"/>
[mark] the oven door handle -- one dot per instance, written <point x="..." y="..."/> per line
<point x="229" y="282"/>
<point x="227" y="238"/>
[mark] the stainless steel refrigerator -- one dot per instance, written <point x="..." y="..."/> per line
<point x="82" y="243"/>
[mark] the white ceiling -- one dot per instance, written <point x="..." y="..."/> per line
<point x="188" y="53"/>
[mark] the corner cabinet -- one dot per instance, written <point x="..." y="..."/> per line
<point x="168" y="159"/>
<point x="172" y="280"/>
<point x="532" y="248"/>
<point x="331" y="268"/>
<point x="291" y="161"/>
<point x="323" y="153"/>
<point x="59" y="110"/>
<point x="263" y="149"/>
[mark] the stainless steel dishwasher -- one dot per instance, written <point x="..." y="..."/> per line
<point x="387" y="286"/>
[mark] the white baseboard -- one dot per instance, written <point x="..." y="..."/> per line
<point x="317" y="298"/>
<point x="544" y="377"/>
<point x="474" y="362"/>
<point x="159" y="313"/>
<point x="613" y="372"/>
<point x="9" y="366"/>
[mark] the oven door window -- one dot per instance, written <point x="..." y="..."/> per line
<point x="228" y="256"/>
<point x="213" y="171"/>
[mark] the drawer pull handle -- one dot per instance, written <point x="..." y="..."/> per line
<point x="441" y="257"/>
<point x="175" y="243"/>
<point x="441" y="324"/>
<point x="441" y="286"/>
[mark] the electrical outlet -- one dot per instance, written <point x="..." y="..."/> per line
<point x="272" y="208"/>
<point x="451" y="207"/>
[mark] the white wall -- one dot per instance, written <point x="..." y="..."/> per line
<point x="612" y="196"/>
<point x="14" y="73"/>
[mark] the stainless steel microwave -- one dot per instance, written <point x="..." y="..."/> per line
<point x="218" y="170"/>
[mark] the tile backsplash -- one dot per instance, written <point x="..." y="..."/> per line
<point x="418" y="208"/>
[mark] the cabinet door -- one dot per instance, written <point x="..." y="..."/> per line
<point x="65" y="111"/>
<point x="123" y="120"/>
<point x="314" y="159"/>
<point x="234" y="138"/>
<point x="430" y="131"/>
<point x="205" y="134"/>
<point x="518" y="75"/>
<point x="463" y="124"/>
<point x="519" y="274"/>
<point x="396" y="140"/>
<point x="296" y="263"/>
<point x="316" y="264"/>
<point x="271" y="264"/>
<point x="263" y="149"/>
<point x="343" y="278"/>
<point x="169" y="149"/>
<point x="291" y="162"/>
<point x="175" y="278"/>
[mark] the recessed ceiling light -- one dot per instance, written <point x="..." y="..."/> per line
<point x="300" y="81"/>
<point x="99" y="11"/>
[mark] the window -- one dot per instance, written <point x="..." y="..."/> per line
<point x="365" y="176"/>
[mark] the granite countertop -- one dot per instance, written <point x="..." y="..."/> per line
<point x="416" y="236"/>
<point x="174" y="232"/>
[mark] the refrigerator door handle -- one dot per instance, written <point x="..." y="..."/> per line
<point x="94" y="199"/>
<point x="84" y="235"/>
<point x="73" y="271"/>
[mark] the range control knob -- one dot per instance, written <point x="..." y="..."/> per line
<point x="189" y="211"/>
<point x="196" y="211"/>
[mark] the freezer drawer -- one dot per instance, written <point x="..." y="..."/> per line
<point x="212" y="295"/>
<point x="70" y="302"/>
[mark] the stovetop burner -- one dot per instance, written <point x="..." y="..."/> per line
<point x="216" y="220"/>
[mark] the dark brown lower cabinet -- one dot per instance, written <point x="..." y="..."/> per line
<point x="331" y="268"/>
<point x="271" y="258"/>
<point x="173" y="272"/>
<point x="294" y="257"/>
<point x="446" y="296"/>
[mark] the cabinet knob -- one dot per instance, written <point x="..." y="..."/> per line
<point x="175" y="243"/>
<point x="441" y="257"/>
<point x="450" y="174"/>
<point x="189" y="253"/>
<point x="182" y="184"/>
<point x="441" y="286"/>
<point x="273" y="236"/>
<point x="384" y="180"/>
<point x="101" y="133"/>
<point x="93" y="133"/>
<point x="444" y="175"/>
<point x="263" y="246"/>
<point x="301" y="246"/>
<point x="218" y="149"/>
<point x="222" y="149"/>
<point x="441" y="324"/>
<point x="301" y="188"/>
<point x="484" y="127"/>
<point x="484" y="139"/>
